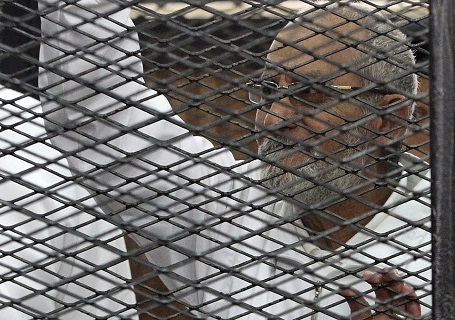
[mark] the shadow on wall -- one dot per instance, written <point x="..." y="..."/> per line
<point x="20" y="29"/>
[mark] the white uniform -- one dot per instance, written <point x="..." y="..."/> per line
<point x="53" y="261"/>
<point x="217" y="236"/>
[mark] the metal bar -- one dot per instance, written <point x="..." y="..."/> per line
<point x="442" y="33"/>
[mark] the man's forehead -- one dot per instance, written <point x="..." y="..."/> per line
<point x="301" y="73"/>
<point x="326" y="59"/>
<point x="306" y="51"/>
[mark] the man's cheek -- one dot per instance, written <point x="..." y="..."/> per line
<point x="259" y="126"/>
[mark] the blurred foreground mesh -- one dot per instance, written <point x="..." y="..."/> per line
<point x="63" y="257"/>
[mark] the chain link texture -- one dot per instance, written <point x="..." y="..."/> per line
<point x="132" y="184"/>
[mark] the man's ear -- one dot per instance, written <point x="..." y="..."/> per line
<point x="393" y="124"/>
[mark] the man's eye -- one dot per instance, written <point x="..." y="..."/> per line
<point x="267" y="90"/>
<point x="305" y="90"/>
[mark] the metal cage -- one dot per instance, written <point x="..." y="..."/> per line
<point x="226" y="159"/>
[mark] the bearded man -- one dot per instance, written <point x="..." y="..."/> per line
<point x="312" y="228"/>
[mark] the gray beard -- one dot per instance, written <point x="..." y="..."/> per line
<point x="316" y="183"/>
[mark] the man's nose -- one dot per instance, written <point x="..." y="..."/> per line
<point x="281" y="114"/>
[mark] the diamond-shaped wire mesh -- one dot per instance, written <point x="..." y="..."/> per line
<point x="214" y="159"/>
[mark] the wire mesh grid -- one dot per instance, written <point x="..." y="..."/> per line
<point x="215" y="159"/>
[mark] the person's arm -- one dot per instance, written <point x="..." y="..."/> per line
<point x="115" y="131"/>
<point x="38" y="203"/>
<point x="122" y="141"/>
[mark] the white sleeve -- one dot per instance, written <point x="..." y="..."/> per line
<point x="114" y="130"/>
<point x="41" y="226"/>
<point x="122" y="141"/>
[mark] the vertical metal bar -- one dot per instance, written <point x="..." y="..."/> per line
<point x="442" y="35"/>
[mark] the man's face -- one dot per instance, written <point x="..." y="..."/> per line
<point x="306" y="138"/>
